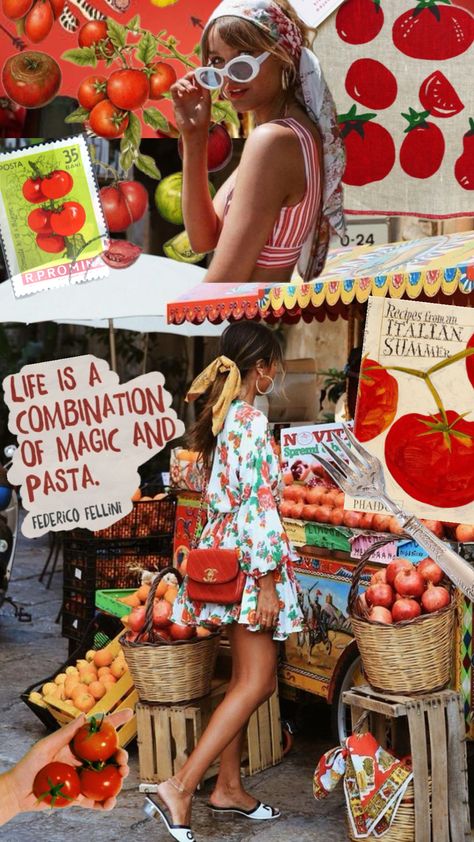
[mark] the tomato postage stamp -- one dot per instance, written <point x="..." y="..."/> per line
<point x="51" y="223"/>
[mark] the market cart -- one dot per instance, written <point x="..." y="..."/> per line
<point x="324" y="661"/>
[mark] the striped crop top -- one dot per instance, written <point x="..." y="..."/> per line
<point x="294" y="222"/>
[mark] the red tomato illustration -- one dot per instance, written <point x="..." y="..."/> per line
<point x="470" y="362"/>
<point x="433" y="31"/>
<point x="438" y="96"/>
<point x="432" y="458"/>
<point x="359" y="21"/>
<point x="464" y="166"/>
<point x="422" y="151"/>
<point x="370" y="150"/>
<point x="371" y="83"/>
<point x="377" y="400"/>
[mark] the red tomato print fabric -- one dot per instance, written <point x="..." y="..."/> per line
<point x="398" y="70"/>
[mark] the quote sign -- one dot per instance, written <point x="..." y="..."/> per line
<point x="81" y="438"/>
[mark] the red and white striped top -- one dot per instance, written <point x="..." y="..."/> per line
<point x="294" y="222"/>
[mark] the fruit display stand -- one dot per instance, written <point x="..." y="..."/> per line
<point x="324" y="660"/>
<point x="103" y="631"/>
<point x="113" y="558"/>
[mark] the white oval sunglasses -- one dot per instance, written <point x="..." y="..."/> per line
<point x="238" y="69"/>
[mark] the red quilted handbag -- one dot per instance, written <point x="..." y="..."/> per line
<point x="215" y="575"/>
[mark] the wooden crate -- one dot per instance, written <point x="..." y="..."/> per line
<point x="431" y="729"/>
<point x="121" y="695"/>
<point x="167" y="736"/>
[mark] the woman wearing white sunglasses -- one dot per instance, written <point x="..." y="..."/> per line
<point x="278" y="208"/>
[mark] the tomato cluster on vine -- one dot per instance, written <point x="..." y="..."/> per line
<point x="34" y="18"/>
<point x="98" y="778"/>
<point x="55" y="220"/>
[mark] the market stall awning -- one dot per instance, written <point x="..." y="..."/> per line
<point x="433" y="268"/>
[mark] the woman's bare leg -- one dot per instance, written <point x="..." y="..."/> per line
<point x="255" y="655"/>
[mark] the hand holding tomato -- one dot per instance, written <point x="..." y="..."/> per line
<point x="17" y="784"/>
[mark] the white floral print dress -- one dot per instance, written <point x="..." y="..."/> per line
<point x="242" y="499"/>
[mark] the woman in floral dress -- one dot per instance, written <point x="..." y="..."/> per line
<point x="233" y="439"/>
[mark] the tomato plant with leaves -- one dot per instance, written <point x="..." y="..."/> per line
<point x="130" y="85"/>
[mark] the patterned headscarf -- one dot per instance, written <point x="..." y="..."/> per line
<point x="230" y="389"/>
<point x="315" y="96"/>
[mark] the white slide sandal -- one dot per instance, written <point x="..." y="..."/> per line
<point x="180" y="832"/>
<point x="261" y="812"/>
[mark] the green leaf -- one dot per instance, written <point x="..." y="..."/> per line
<point x="154" y="118"/>
<point x="80" y="115"/>
<point x="83" y="56"/>
<point x="133" y="132"/>
<point x="74" y="246"/>
<point x="146" y="50"/>
<point x="134" y="24"/>
<point x="117" y="33"/>
<point x="223" y="112"/>
<point x="147" y="165"/>
<point x="127" y="159"/>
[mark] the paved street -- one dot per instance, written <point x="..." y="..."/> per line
<point x="33" y="651"/>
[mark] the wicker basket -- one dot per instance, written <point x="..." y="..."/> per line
<point x="403" y="825"/>
<point x="170" y="672"/>
<point x="414" y="656"/>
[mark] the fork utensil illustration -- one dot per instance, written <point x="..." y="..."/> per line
<point x="362" y="476"/>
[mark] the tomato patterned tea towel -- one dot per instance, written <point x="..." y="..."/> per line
<point x="374" y="783"/>
<point x="398" y="71"/>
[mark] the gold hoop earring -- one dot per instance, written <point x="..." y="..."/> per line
<point x="284" y="79"/>
<point x="269" y="390"/>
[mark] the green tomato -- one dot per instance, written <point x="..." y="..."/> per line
<point x="168" y="196"/>
<point x="179" y="248"/>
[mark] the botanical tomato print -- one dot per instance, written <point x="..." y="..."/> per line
<point x="242" y="499"/>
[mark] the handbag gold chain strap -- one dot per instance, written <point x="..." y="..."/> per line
<point x="199" y="523"/>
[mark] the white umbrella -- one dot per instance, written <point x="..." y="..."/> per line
<point x="130" y="299"/>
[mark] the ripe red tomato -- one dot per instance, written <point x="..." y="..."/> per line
<point x="31" y="78"/>
<point x="117" y="214"/>
<point x="57" y="784"/>
<point x="422" y="150"/>
<point x="50" y="243"/>
<point x="438" y="96"/>
<point x="69" y="219"/>
<point x="161" y="79"/>
<point x="377" y="400"/>
<point x="464" y="166"/>
<point x="91" y="91"/>
<point x="95" y="32"/>
<point x="470" y="362"/>
<point x="57" y="184"/>
<point x="16" y="9"/>
<point x="39" y="220"/>
<point x="128" y="89"/>
<point x="432" y="459"/>
<point x="359" y="21"/>
<point x="39" y="21"/>
<point x="108" y="121"/>
<point x="136" y="198"/>
<point x="97" y="740"/>
<point x="32" y="190"/>
<point x="371" y="83"/>
<point x="99" y="784"/>
<point x="370" y="150"/>
<point x="433" y="31"/>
